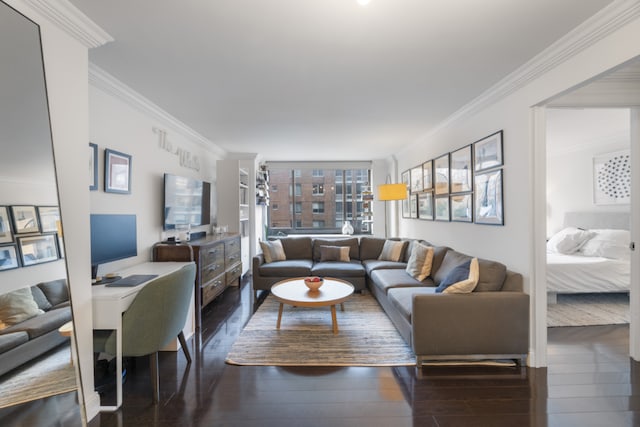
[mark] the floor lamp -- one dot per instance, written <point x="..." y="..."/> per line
<point x="387" y="192"/>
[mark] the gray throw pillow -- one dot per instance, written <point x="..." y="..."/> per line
<point x="334" y="253"/>
<point x="392" y="251"/>
<point x="272" y="251"/>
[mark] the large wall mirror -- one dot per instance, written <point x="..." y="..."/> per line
<point x="36" y="362"/>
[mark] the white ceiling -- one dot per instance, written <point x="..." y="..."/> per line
<point x="325" y="79"/>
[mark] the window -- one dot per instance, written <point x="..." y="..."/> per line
<point x="273" y="188"/>
<point x="319" y="200"/>
<point x="317" y="207"/>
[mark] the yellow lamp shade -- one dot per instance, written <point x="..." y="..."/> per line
<point x="392" y="192"/>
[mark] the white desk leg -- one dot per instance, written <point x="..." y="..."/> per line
<point x="118" y="331"/>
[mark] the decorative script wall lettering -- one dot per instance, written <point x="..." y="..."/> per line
<point x="186" y="158"/>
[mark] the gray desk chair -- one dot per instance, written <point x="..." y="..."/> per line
<point x="154" y="318"/>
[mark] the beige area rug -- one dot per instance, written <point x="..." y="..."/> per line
<point x="589" y="310"/>
<point x="48" y="375"/>
<point x="366" y="337"/>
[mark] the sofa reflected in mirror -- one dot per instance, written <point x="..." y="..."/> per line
<point x="34" y="297"/>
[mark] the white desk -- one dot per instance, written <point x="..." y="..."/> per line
<point x="110" y="302"/>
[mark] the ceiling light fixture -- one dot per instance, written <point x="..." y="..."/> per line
<point x="363" y="2"/>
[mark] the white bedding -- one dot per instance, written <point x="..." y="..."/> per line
<point x="577" y="273"/>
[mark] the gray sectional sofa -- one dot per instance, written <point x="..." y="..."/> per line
<point x="23" y="341"/>
<point x="492" y="322"/>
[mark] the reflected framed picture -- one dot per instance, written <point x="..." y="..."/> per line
<point x="425" y="206"/>
<point x="427" y="175"/>
<point x="442" y="208"/>
<point x="5" y="226"/>
<point x="49" y="217"/>
<point x="461" y="170"/>
<point x="25" y="219"/>
<point x="38" y="249"/>
<point x="487" y="152"/>
<point x="461" y="207"/>
<point x="488" y="198"/>
<point x="8" y="257"/>
<point x="413" y="206"/>
<point x="406" y="180"/>
<point x="117" y="172"/>
<point x="441" y="174"/>
<point x="416" y="179"/>
<point x="93" y="167"/>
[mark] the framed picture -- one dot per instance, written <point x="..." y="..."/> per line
<point x="25" y="219"/>
<point x="461" y="170"/>
<point x="406" y="180"/>
<point x="441" y="169"/>
<point x="461" y="207"/>
<point x="416" y="179"/>
<point x="413" y="206"/>
<point x="427" y="175"/>
<point x="49" y="217"/>
<point x="442" y="208"/>
<point x="612" y="178"/>
<point x="93" y="166"/>
<point x="487" y="153"/>
<point x="425" y="206"/>
<point x="117" y="172"/>
<point x="8" y="257"/>
<point x="5" y="226"/>
<point x="488" y="203"/>
<point x="38" y="249"/>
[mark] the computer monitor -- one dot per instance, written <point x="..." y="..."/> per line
<point x="113" y="237"/>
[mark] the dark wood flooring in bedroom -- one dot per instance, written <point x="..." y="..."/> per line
<point x="590" y="381"/>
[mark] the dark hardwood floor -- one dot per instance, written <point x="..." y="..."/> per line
<point x="590" y="382"/>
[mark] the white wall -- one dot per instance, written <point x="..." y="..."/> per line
<point x="513" y="243"/>
<point x="570" y="162"/>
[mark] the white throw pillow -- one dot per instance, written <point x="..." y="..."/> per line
<point x="607" y="243"/>
<point x="18" y="306"/>
<point x="420" y="262"/>
<point x="568" y="240"/>
<point x="272" y="251"/>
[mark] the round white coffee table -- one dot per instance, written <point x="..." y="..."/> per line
<point x="295" y="292"/>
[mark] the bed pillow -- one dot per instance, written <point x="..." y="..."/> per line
<point x="568" y="240"/>
<point x="392" y="250"/>
<point x="607" y="243"/>
<point x="272" y="251"/>
<point x="462" y="279"/>
<point x="420" y="261"/>
<point x="334" y="253"/>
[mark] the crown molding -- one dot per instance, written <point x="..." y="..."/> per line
<point x="594" y="29"/>
<point x="104" y="81"/>
<point x="70" y="19"/>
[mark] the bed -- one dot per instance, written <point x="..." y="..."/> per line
<point x="590" y="254"/>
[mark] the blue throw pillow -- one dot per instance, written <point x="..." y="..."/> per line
<point x="457" y="274"/>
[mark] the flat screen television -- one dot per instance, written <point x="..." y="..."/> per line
<point x="113" y="237"/>
<point x="187" y="201"/>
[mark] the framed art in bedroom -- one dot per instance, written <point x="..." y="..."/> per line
<point x="612" y="178"/>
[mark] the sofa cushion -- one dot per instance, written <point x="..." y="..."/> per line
<point x="371" y="247"/>
<point x="297" y="247"/>
<point x="56" y="291"/>
<point x="18" y="306"/>
<point x="12" y="340"/>
<point x="402" y="298"/>
<point x="393" y="250"/>
<point x="492" y="276"/>
<point x="457" y="283"/>
<point x="352" y="243"/>
<point x="395" y="278"/>
<point x="43" y="323"/>
<point x="376" y="264"/>
<point x="338" y="269"/>
<point x="272" y="251"/>
<point x="457" y="274"/>
<point x="451" y="260"/>
<point x="288" y="268"/>
<point x="420" y="262"/>
<point x="334" y="253"/>
<point x="40" y="299"/>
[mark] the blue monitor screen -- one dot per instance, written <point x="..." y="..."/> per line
<point x="113" y="237"/>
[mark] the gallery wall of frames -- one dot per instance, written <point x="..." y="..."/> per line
<point x="464" y="185"/>
<point x="29" y="235"/>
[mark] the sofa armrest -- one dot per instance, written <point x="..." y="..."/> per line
<point x="258" y="260"/>
<point x="481" y="323"/>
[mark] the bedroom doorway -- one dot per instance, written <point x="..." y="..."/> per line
<point x="617" y="89"/>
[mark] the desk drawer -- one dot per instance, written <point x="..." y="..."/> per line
<point x="213" y="254"/>
<point x="212" y="289"/>
<point x="234" y="274"/>
<point x="212" y="270"/>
